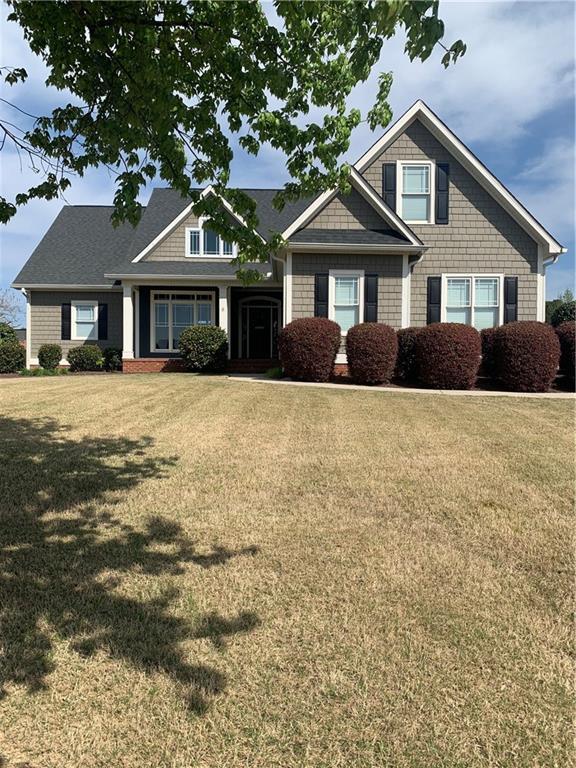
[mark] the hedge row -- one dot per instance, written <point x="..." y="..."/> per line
<point x="522" y="356"/>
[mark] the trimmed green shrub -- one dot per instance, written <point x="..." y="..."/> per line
<point x="12" y="356"/>
<point x="112" y="359"/>
<point x="564" y="313"/>
<point x="86" y="358"/>
<point x="7" y="332"/>
<point x="371" y="350"/>
<point x="308" y="348"/>
<point x="487" y="337"/>
<point x="448" y="355"/>
<point x="566" y="333"/>
<point x="406" y="362"/>
<point x="49" y="356"/>
<point x="204" y="348"/>
<point x="526" y="356"/>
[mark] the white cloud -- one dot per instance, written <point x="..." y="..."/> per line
<point x="519" y="65"/>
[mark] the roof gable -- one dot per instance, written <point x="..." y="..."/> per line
<point x="420" y="111"/>
<point x="390" y="219"/>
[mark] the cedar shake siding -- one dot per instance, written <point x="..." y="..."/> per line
<point x="348" y="212"/>
<point x="388" y="268"/>
<point x="46" y="318"/>
<point x="173" y="247"/>
<point x="479" y="237"/>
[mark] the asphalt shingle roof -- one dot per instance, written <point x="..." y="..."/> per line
<point x="82" y="246"/>
<point x="349" y="237"/>
<point x="190" y="267"/>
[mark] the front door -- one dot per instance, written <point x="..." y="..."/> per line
<point x="260" y="329"/>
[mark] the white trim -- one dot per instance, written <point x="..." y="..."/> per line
<point x="361" y="186"/>
<point x="182" y="215"/>
<point x="127" y="323"/>
<point x="171" y="302"/>
<point x="28" y="296"/>
<point x="334" y="273"/>
<point x="64" y="287"/>
<point x="210" y="279"/>
<point x="341" y="358"/>
<point x="73" y="320"/>
<point x="137" y="320"/>
<point x="223" y="319"/>
<point x="420" y="111"/>
<point x="358" y="248"/>
<point x="406" y="286"/>
<point x="541" y="287"/>
<point x="201" y="256"/>
<point x="472" y="276"/>
<point x="287" y="286"/>
<point x="431" y="189"/>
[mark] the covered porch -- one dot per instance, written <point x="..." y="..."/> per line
<point x="155" y="313"/>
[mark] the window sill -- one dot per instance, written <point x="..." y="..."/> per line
<point x="199" y="257"/>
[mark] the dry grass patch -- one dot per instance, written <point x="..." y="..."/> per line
<point x="201" y="572"/>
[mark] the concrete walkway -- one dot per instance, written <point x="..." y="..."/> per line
<point x="261" y="379"/>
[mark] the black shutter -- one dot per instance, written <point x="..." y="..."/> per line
<point x="321" y="295"/>
<point x="371" y="298"/>
<point x="510" y="299"/>
<point x="65" y="322"/>
<point x="442" y="186"/>
<point x="103" y="322"/>
<point x="434" y="299"/>
<point x="389" y="184"/>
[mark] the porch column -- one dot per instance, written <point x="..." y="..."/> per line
<point x="223" y="313"/>
<point x="127" y="323"/>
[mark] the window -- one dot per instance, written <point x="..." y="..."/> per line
<point x="84" y="320"/>
<point x="415" y="191"/>
<point x="172" y="312"/>
<point x="346" y="290"/>
<point x="205" y="243"/>
<point x="473" y="300"/>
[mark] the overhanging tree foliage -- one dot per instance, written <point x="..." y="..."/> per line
<point x="164" y="88"/>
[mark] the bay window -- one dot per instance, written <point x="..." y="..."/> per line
<point x="473" y="300"/>
<point x="174" y="311"/>
<point x="415" y="192"/>
<point x="345" y="296"/>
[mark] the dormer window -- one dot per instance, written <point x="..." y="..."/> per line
<point x="204" y="243"/>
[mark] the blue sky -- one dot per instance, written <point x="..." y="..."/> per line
<point x="510" y="99"/>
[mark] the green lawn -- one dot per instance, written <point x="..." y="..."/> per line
<point x="202" y="573"/>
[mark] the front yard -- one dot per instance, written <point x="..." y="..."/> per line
<point x="197" y="572"/>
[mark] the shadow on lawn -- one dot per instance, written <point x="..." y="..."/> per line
<point x="61" y="561"/>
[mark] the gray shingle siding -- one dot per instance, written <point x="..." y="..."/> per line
<point x="173" y="247"/>
<point x="388" y="269"/>
<point x="480" y="235"/>
<point x="45" y="327"/>
<point x="347" y="212"/>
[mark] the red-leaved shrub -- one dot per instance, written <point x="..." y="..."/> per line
<point x="308" y="348"/>
<point x="406" y="363"/>
<point x="566" y="333"/>
<point x="448" y="355"/>
<point x="371" y="350"/>
<point x="526" y="356"/>
<point x="487" y="337"/>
